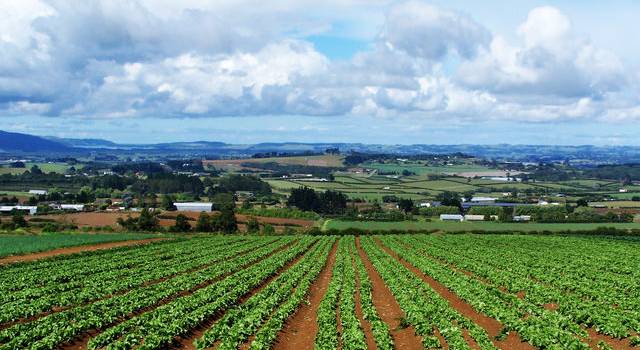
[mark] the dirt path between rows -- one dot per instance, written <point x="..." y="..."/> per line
<point x="187" y="341"/>
<point x="594" y="336"/>
<point x="74" y="250"/>
<point x="388" y="308"/>
<point x="490" y="325"/>
<point x="366" y="325"/>
<point x="300" y="330"/>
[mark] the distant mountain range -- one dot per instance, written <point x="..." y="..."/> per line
<point x="17" y="143"/>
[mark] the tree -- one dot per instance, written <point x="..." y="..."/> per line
<point x="303" y="198"/>
<point x="167" y="203"/>
<point x="225" y="221"/>
<point x="147" y="221"/>
<point x="268" y="230"/>
<point x="332" y="202"/>
<point x="224" y="200"/>
<point x="181" y="225"/>
<point x="18" y="219"/>
<point x="406" y="205"/>
<point x="35" y="170"/>
<point x="253" y="226"/>
<point x="448" y="198"/>
<point x="582" y="203"/>
<point x="203" y="224"/>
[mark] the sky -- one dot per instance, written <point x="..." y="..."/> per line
<point x="371" y="71"/>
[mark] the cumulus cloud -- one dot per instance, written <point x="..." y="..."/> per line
<point x="550" y="61"/>
<point x="143" y="58"/>
<point x="429" y="32"/>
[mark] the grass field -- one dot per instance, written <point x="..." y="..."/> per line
<point x="59" y="168"/>
<point x="455" y="226"/>
<point x="307" y="292"/>
<point x="23" y="244"/>
<point x="421" y="169"/>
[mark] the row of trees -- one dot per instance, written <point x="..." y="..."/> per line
<point x="328" y="202"/>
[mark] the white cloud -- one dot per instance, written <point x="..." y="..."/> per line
<point x="196" y="58"/>
<point x="551" y="62"/>
<point x="429" y="32"/>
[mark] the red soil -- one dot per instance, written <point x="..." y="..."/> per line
<point x="186" y="342"/>
<point x="73" y="250"/>
<point x="300" y="330"/>
<point x="618" y="344"/>
<point x="94" y="219"/>
<point x="388" y="308"/>
<point x="490" y="325"/>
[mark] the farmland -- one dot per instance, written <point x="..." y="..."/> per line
<point x="466" y="226"/>
<point x="15" y="245"/>
<point x="325" y="292"/>
<point x="421" y="187"/>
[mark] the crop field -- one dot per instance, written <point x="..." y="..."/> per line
<point x="23" y="244"/>
<point x="457" y="226"/>
<point x="305" y="292"/>
<point x="418" y="187"/>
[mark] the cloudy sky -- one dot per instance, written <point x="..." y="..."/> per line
<point x="374" y="71"/>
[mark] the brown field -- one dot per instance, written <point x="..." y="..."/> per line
<point x="236" y="164"/>
<point x="95" y="219"/>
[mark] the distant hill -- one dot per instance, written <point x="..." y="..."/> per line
<point x="16" y="142"/>
<point x="84" y="143"/>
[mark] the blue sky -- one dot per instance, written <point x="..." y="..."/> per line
<point x="241" y="71"/>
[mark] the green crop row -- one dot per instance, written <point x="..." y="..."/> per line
<point x="541" y="327"/>
<point x="160" y="326"/>
<point x="241" y="322"/>
<point x="132" y="273"/>
<point x="50" y="331"/>
<point x="424" y="308"/>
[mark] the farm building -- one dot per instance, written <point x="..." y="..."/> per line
<point x="76" y="207"/>
<point x="38" y="192"/>
<point x="522" y="218"/>
<point x="474" y="217"/>
<point x="451" y="217"/>
<point x="490" y="200"/>
<point x="5" y="209"/>
<point x="194" y="206"/>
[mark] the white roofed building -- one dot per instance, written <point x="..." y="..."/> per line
<point x="194" y="206"/>
<point x="27" y="208"/>
<point x="451" y="217"/>
<point x="38" y="192"/>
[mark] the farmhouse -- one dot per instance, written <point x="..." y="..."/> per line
<point x="23" y="208"/>
<point x="38" y="192"/>
<point x="451" y="217"/>
<point x="194" y="206"/>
